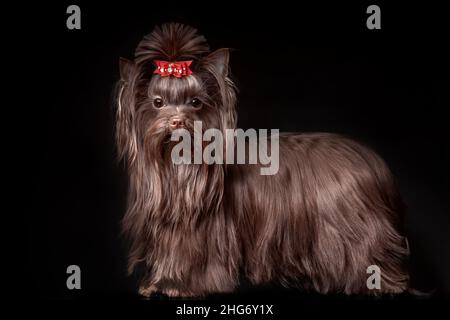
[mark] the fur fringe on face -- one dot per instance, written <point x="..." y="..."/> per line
<point x="330" y="212"/>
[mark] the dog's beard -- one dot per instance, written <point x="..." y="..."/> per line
<point x="159" y="144"/>
<point x="182" y="191"/>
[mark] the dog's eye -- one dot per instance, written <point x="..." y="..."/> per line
<point x="196" y="103"/>
<point x="158" y="103"/>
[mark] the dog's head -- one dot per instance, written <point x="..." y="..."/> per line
<point x="150" y="105"/>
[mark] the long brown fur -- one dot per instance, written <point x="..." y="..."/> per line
<point x="331" y="211"/>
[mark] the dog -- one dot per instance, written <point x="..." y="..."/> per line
<point x="331" y="211"/>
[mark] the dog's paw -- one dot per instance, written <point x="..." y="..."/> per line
<point x="147" y="291"/>
<point x="175" y="293"/>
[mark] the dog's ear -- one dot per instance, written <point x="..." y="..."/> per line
<point x="219" y="60"/>
<point x="126" y="68"/>
<point x="217" y="64"/>
<point x="125" y="123"/>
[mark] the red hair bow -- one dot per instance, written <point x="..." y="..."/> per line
<point x="177" y="69"/>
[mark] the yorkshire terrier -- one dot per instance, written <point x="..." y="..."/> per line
<point x="331" y="211"/>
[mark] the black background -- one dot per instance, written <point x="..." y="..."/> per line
<point x="298" y="68"/>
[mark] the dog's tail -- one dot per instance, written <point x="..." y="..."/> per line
<point x="410" y="289"/>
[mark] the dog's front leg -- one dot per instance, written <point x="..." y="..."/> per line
<point x="177" y="293"/>
<point x="147" y="290"/>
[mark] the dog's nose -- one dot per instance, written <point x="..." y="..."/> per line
<point x="176" y="123"/>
